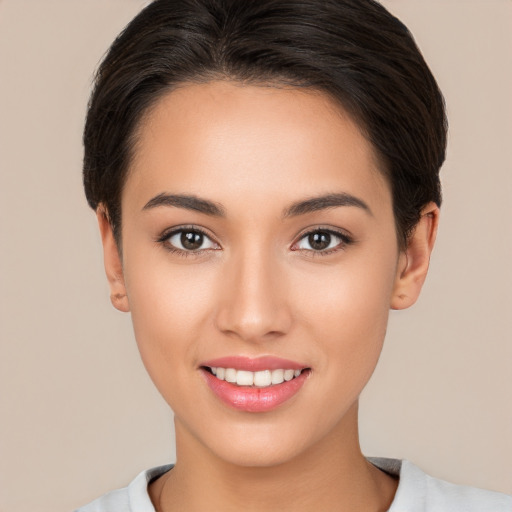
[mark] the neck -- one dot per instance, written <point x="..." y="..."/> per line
<point x="331" y="475"/>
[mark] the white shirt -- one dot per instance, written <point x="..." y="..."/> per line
<point x="417" y="492"/>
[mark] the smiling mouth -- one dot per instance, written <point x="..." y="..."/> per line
<point x="259" y="379"/>
<point x="254" y="385"/>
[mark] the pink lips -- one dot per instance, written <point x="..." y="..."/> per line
<point x="254" y="399"/>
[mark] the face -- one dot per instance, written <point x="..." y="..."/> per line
<point x="258" y="237"/>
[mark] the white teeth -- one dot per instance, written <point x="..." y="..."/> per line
<point x="288" y="375"/>
<point x="261" y="379"/>
<point x="277" y="376"/>
<point x="244" y="378"/>
<point x="230" y="375"/>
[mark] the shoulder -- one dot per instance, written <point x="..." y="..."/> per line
<point x="133" y="498"/>
<point x="446" y="496"/>
<point x="419" y="492"/>
<point x="117" y="500"/>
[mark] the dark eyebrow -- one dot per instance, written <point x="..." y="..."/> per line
<point x="323" y="202"/>
<point x="186" y="201"/>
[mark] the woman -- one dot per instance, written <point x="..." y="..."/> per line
<point x="266" y="181"/>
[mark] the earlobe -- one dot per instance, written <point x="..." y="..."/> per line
<point x="113" y="263"/>
<point x="414" y="261"/>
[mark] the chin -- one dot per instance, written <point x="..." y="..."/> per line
<point x="262" y="445"/>
<point x="257" y="456"/>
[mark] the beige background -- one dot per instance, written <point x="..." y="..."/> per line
<point x="79" y="416"/>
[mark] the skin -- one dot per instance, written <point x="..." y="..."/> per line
<point x="256" y="287"/>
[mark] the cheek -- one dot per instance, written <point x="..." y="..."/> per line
<point x="346" y="311"/>
<point x="170" y="307"/>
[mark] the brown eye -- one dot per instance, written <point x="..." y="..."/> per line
<point x="319" y="241"/>
<point x="190" y="240"/>
<point x="322" y="241"/>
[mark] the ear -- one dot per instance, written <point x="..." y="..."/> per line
<point x="414" y="260"/>
<point x="112" y="261"/>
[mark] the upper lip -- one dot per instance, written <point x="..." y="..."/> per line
<point x="254" y="364"/>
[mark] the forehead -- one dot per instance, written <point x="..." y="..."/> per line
<point x="225" y="138"/>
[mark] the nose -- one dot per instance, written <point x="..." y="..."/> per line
<point x="253" y="302"/>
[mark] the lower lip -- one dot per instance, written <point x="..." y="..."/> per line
<point x="253" y="399"/>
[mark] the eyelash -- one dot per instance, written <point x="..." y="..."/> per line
<point x="165" y="237"/>
<point x="345" y="241"/>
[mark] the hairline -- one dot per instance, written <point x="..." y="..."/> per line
<point x="380" y="166"/>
